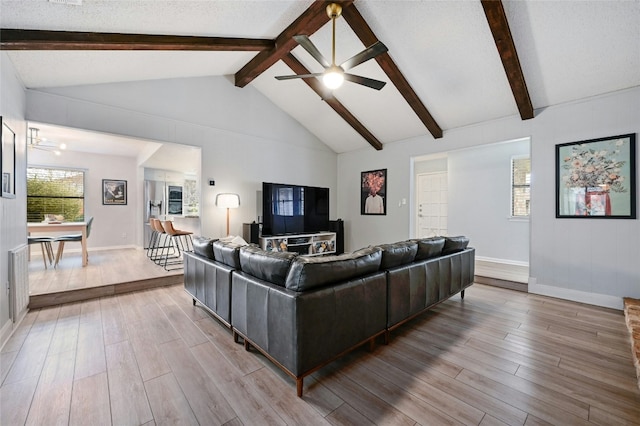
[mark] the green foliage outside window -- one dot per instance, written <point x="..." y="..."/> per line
<point x="520" y="187"/>
<point x="55" y="192"/>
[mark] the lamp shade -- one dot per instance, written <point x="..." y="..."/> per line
<point x="228" y="200"/>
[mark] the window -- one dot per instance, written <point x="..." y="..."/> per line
<point x="57" y="192"/>
<point x="520" y="186"/>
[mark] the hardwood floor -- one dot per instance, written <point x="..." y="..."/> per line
<point x="151" y="357"/>
<point x="104" y="275"/>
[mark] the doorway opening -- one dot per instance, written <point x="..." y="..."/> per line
<point x="473" y="192"/>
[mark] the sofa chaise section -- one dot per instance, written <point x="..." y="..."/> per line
<point x="324" y="308"/>
<point x="442" y="267"/>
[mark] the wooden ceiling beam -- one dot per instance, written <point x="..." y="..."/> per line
<point x="366" y="35"/>
<point x="16" y="39"/>
<point x="297" y="67"/>
<point x="497" y="19"/>
<point x="308" y="23"/>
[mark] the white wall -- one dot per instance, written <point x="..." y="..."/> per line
<point x="13" y="211"/>
<point x="110" y="222"/>
<point x="479" y="201"/>
<point x="593" y="261"/>
<point x="245" y="138"/>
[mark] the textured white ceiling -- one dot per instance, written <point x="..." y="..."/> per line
<point x="569" y="50"/>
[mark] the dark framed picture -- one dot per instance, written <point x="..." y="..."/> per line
<point x="114" y="192"/>
<point x="373" y="192"/>
<point x="596" y="178"/>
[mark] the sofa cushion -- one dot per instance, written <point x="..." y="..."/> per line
<point x="227" y="253"/>
<point x="454" y="244"/>
<point x="430" y="247"/>
<point x="204" y="246"/>
<point x="307" y="272"/>
<point x="397" y="254"/>
<point x="266" y="265"/>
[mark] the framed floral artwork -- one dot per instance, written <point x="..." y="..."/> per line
<point x="596" y="178"/>
<point x="373" y="192"/>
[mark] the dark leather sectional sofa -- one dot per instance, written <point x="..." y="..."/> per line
<point x="303" y="312"/>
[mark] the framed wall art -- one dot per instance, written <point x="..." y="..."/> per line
<point x="596" y="178"/>
<point x="8" y="161"/>
<point x="114" y="192"/>
<point x="373" y="192"/>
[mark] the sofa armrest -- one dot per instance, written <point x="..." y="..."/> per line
<point x="209" y="282"/>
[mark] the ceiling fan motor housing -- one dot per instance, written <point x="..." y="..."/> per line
<point x="334" y="10"/>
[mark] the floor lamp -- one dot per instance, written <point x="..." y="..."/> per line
<point x="228" y="201"/>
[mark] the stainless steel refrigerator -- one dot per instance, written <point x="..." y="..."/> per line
<point x="161" y="200"/>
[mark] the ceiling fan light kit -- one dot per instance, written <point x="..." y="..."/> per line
<point x="35" y="142"/>
<point x="333" y="78"/>
<point x="334" y="75"/>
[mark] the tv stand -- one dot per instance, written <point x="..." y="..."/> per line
<point x="312" y="244"/>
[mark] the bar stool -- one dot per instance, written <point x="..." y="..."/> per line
<point x="159" y="251"/>
<point x="153" y="238"/>
<point x="179" y="238"/>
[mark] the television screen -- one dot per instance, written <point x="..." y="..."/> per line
<point x="294" y="209"/>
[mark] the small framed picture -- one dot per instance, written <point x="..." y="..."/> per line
<point x="373" y="192"/>
<point x="114" y="192"/>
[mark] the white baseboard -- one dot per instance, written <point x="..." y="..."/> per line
<point x="79" y="249"/>
<point x="502" y="269"/>
<point x="8" y="328"/>
<point x="604" y="300"/>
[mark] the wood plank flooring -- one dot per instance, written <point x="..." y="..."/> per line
<point x="150" y="357"/>
<point x="104" y="275"/>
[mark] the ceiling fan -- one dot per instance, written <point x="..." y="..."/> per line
<point x="36" y="142"/>
<point x="333" y="74"/>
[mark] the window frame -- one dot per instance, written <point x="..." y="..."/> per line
<point x="513" y="186"/>
<point x="62" y="169"/>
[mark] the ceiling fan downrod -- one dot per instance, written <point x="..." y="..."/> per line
<point x="334" y="75"/>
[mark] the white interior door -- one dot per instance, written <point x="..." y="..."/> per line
<point x="432" y="204"/>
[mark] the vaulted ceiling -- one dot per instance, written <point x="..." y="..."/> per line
<point x="449" y="64"/>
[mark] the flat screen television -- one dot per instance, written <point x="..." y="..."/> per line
<point x="294" y="209"/>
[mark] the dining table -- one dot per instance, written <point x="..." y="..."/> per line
<point x="66" y="227"/>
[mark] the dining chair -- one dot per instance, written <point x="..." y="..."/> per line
<point x="70" y="238"/>
<point x="45" y="245"/>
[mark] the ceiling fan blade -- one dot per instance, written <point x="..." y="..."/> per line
<point x="289" y="77"/>
<point x="369" y="82"/>
<point x="306" y="43"/>
<point x="368" y="53"/>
